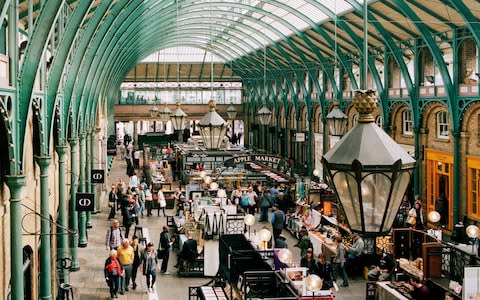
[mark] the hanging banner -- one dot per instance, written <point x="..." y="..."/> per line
<point x="84" y="202"/>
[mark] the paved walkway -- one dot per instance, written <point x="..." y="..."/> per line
<point x="89" y="282"/>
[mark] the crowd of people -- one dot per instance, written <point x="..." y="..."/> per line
<point x="271" y="204"/>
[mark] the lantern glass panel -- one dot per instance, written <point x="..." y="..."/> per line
<point x="346" y="187"/>
<point x="398" y="191"/>
<point x="337" y="126"/>
<point x="212" y="136"/>
<point x="374" y="188"/>
<point x="178" y="122"/>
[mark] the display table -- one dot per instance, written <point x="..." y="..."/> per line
<point x="322" y="244"/>
<point x="212" y="293"/>
<point x="385" y="292"/>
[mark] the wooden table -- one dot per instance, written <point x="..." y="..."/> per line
<point x="321" y="246"/>
<point x="385" y="292"/>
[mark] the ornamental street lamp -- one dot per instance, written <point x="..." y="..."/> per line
<point x="212" y="128"/>
<point x="369" y="171"/>
<point x="337" y="121"/>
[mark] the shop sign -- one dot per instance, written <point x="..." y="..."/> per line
<point x="84" y="202"/>
<point x="264" y="159"/>
<point x="97" y="176"/>
<point x="300" y="137"/>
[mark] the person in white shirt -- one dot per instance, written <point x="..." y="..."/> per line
<point x="133" y="183"/>
<point x="136" y="159"/>
<point x="162" y="203"/>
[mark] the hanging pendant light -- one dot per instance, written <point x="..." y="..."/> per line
<point x="368" y="170"/>
<point x="264" y="115"/>
<point x="178" y="118"/>
<point x="212" y="128"/>
<point x="337" y="121"/>
<point x="154" y="112"/>
<point x="231" y="112"/>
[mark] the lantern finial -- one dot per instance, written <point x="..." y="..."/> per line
<point x="365" y="103"/>
<point x="212" y="104"/>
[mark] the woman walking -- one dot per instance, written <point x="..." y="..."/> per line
<point x="137" y="259"/>
<point x="149" y="200"/>
<point x="162" y="203"/>
<point x="113" y="270"/>
<point x="150" y="265"/>
<point x="165" y="250"/>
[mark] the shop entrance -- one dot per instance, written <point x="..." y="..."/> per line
<point x="440" y="185"/>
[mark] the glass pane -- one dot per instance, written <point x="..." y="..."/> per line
<point x="375" y="188"/>
<point x="398" y="191"/>
<point x="346" y="187"/>
<point x="474" y="190"/>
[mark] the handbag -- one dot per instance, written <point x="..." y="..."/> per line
<point x="244" y="202"/>
<point x="160" y="253"/>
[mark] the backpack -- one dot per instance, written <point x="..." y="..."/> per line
<point x="111" y="235"/>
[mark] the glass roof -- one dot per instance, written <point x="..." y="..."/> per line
<point x="257" y="22"/>
<point x="182" y="55"/>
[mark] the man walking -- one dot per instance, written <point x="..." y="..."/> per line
<point x="278" y="219"/>
<point x="126" y="256"/>
<point x="114" y="236"/>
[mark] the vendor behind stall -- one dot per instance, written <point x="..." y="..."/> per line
<point x="419" y="290"/>
<point x="383" y="270"/>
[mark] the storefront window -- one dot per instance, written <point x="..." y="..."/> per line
<point x="473" y="187"/>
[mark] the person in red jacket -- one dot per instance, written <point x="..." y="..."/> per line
<point x="113" y="270"/>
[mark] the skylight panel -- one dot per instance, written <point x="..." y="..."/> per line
<point x="182" y="54"/>
<point x="298" y="23"/>
<point x="312" y="12"/>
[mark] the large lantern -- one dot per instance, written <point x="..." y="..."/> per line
<point x="337" y="121"/>
<point x="178" y="118"/>
<point x="212" y="128"/>
<point x="369" y="171"/>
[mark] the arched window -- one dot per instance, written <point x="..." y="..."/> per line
<point x="407" y="123"/>
<point x="442" y="125"/>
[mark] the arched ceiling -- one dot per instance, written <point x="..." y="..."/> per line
<point x="93" y="45"/>
<point x="298" y="34"/>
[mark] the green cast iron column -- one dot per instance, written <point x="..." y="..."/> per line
<point x="45" y="253"/>
<point x="456" y="175"/>
<point x="92" y="166"/>
<point x="15" y="184"/>
<point x="73" y="219"/>
<point x="82" y="216"/>
<point x="418" y="158"/>
<point x="309" y="151"/>
<point x="89" y="159"/>
<point x="62" y="237"/>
